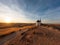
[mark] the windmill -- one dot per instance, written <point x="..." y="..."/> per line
<point x="38" y="22"/>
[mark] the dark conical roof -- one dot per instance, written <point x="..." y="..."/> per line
<point x="38" y="21"/>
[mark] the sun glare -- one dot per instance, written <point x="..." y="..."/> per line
<point x="8" y="19"/>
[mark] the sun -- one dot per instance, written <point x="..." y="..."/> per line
<point x="8" y="19"/>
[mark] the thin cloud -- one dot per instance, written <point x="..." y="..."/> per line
<point x="31" y="10"/>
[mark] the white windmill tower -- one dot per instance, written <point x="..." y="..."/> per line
<point x="38" y="22"/>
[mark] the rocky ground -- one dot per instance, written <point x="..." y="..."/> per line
<point x="36" y="36"/>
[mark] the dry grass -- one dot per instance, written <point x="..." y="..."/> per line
<point x="43" y="35"/>
<point x="9" y="28"/>
<point x="38" y="36"/>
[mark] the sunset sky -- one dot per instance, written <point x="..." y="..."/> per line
<point x="28" y="11"/>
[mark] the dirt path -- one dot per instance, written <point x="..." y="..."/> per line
<point x="41" y="36"/>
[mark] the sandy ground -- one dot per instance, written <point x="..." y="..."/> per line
<point x="34" y="36"/>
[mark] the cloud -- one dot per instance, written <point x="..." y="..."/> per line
<point x="52" y="16"/>
<point x="30" y="10"/>
<point x="6" y="11"/>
